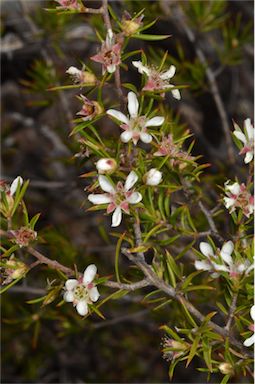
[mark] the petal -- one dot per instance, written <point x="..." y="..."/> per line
<point x="94" y="294"/>
<point x="155" y="121"/>
<point x="145" y="137"/>
<point x="240" y="136"/>
<point x="116" y="217"/>
<point x="248" y="157"/>
<point x="133" y="104"/>
<point x="176" y="94"/>
<point x="226" y="251"/>
<point x="118" y="115"/>
<point x="134" y="198"/>
<point x="111" y="68"/>
<point x="206" y="249"/>
<point x="253" y="312"/>
<point x="105" y="184"/>
<point x="71" y="284"/>
<point x="141" y="68"/>
<point x="168" y="74"/>
<point x="99" y="198"/>
<point x="73" y="71"/>
<point x="82" y="308"/>
<point x="249" y="128"/>
<point x="202" y="266"/>
<point x="228" y="202"/>
<point x="14" y="185"/>
<point x="89" y="274"/>
<point x="126" y="136"/>
<point x="130" y="181"/>
<point x="69" y="297"/>
<point x="234" y="188"/>
<point x="248" y="342"/>
<point x="220" y="267"/>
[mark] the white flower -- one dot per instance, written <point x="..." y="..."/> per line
<point x="237" y="196"/>
<point x="247" y="138"/>
<point x="221" y="261"/>
<point x="83" y="291"/>
<point x="153" y="177"/>
<point x="117" y="197"/>
<point x="157" y="80"/>
<point x="106" y="165"/>
<point x="135" y="126"/>
<point x="14" y="185"/>
<point x="83" y="77"/>
<point x="251" y="340"/>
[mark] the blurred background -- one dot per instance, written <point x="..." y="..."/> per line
<point x="53" y="345"/>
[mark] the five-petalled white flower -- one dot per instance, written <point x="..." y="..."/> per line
<point x="83" y="291"/>
<point x="251" y="340"/>
<point x="135" y="126"/>
<point x="247" y="138"/>
<point x="238" y="196"/>
<point x="157" y="80"/>
<point x="222" y="261"/>
<point x="117" y="197"/>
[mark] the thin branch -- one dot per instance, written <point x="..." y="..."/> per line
<point x="117" y="79"/>
<point x="180" y="18"/>
<point x="152" y="277"/>
<point x="231" y="312"/>
<point x="210" y="220"/>
<point x="129" y="287"/>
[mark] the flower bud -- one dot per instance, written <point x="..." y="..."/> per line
<point x="130" y="25"/>
<point x="226" y="369"/>
<point x="81" y="77"/>
<point x="14" y="185"/>
<point x="152" y="177"/>
<point x="106" y="165"/>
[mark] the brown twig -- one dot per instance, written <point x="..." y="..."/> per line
<point x="210" y="221"/>
<point x="180" y="18"/>
<point x="231" y="312"/>
<point x="117" y="78"/>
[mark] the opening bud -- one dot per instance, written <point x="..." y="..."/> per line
<point x="106" y="165"/>
<point x="152" y="177"/>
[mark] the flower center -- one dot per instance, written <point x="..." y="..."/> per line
<point x="81" y="293"/>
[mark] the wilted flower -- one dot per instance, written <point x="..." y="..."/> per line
<point x="157" y="80"/>
<point x="117" y="197"/>
<point x="238" y="197"/>
<point x="23" y="236"/>
<point x="226" y="369"/>
<point x="90" y="109"/>
<point x="135" y="126"/>
<point x="130" y="25"/>
<point x="110" y="54"/>
<point x="251" y="340"/>
<point x="13" y="269"/>
<point x="106" y="165"/>
<point x="68" y="4"/>
<point x="177" y="156"/>
<point x="221" y="261"/>
<point x="81" y="77"/>
<point x="173" y="349"/>
<point x="83" y="291"/>
<point x="247" y="138"/>
<point x="153" y="177"/>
